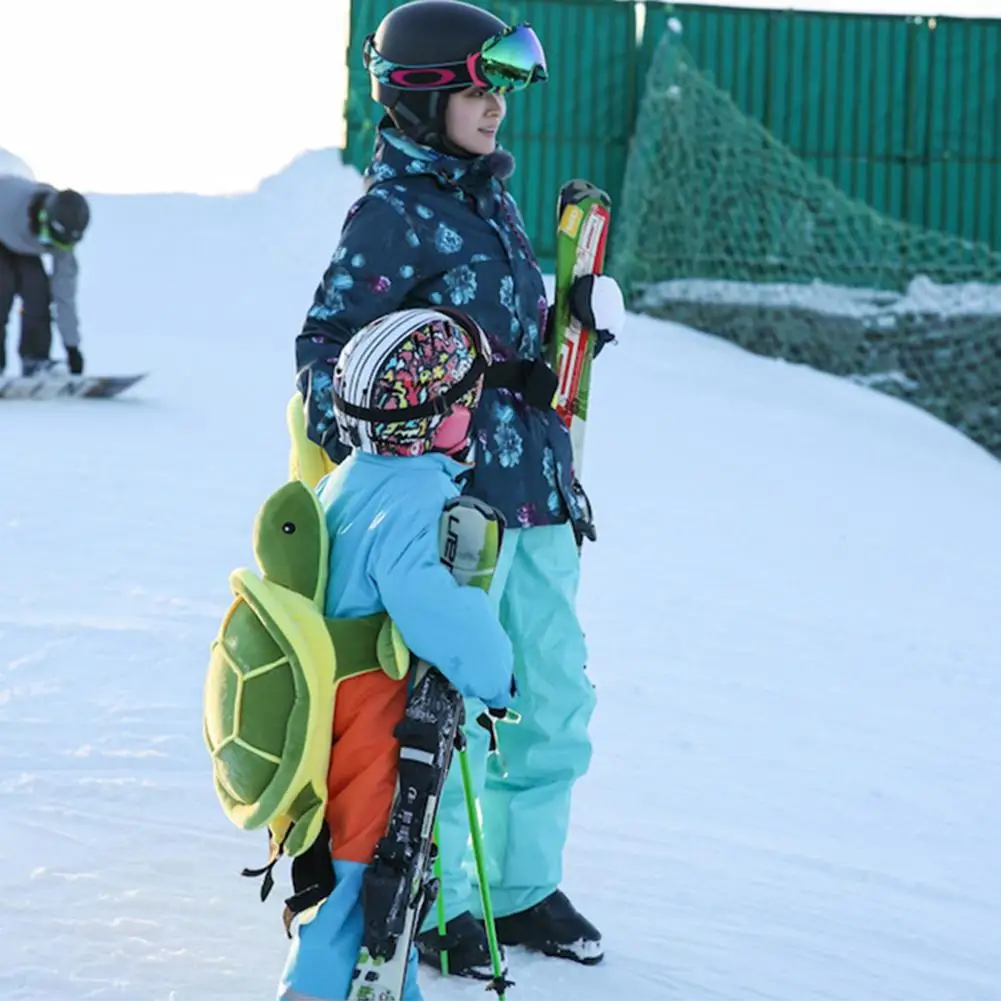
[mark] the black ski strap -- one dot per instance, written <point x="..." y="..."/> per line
<point x="312" y="878"/>
<point x="312" y="875"/>
<point x="532" y="379"/>
<point x="274" y="854"/>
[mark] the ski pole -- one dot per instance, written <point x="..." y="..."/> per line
<point x="440" y="902"/>
<point x="498" y="983"/>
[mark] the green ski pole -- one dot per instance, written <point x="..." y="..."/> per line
<point x="498" y="983"/>
<point x="440" y="902"/>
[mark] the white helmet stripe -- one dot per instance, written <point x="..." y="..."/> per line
<point x="372" y="360"/>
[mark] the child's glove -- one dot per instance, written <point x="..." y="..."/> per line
<point x="596" y="301"/>
<point x="498" y="714"/>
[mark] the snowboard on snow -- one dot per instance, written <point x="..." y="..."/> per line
<point x="583" y="220"/>
<point x="60" y="386"/>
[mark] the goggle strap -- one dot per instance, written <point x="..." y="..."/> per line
<point x="472" y="62"/>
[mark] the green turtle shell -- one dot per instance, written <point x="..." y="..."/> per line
<point x="258" y="703"/>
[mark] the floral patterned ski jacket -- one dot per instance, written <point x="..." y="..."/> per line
<point x="438" y="230"/>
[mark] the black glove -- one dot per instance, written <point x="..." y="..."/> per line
<point x="75" y="359"/>
<point x="583" y="524"/>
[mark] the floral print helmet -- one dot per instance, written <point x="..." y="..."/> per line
<point x="409" y="383"/>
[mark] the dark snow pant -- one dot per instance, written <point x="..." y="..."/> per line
<point x="24" y="275"/>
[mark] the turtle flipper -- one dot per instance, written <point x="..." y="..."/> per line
<point x="369" y="643"/>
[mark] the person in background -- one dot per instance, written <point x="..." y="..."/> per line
<point x="37" y="219"/>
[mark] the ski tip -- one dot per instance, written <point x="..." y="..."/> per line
<point x="579" y="189"/>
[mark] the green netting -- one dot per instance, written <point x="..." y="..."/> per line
<point x="723" y="228"/>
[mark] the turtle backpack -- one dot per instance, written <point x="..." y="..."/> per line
<point x="269" y="697"/>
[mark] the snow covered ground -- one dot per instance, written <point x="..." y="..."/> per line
<point x="792" y="614"/>
<point x="922" y="296"/>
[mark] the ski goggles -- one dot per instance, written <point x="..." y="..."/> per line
<point x="510" y="61"/>
<point x="50" y="234"/>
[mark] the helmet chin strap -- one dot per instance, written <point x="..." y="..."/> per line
<point x="429" y="128"/>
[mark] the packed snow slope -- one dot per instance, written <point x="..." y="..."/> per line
<point x="792" y="614"/>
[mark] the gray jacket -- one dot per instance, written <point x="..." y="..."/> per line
<point x="16" y="194"/>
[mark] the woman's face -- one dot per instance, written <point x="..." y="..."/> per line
<point x="472" y="119"/>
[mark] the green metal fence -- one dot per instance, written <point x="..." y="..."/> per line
<point x="902" y="112"/>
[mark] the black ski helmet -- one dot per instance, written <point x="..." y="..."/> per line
<point x="66" y="215"/>
<point x="428" y="33"/>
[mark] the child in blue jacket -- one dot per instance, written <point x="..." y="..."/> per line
<point x="383" y="507"/>
<point x="438" y="228"/>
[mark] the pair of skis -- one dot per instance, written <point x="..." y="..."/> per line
<point x="583" y="221"/>
<point x="398" y="888"/>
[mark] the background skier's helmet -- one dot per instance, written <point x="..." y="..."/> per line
<point x="409" y="383"/>
<point x="424" y="49"/>
<point x="63" y="218"/>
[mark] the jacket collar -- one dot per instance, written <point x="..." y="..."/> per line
<point x="451" y="467"/>
<point x="397" y="155"/>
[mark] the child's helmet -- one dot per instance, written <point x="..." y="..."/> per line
<point x="409" y="382"/>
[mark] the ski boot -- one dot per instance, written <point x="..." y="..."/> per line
<point x="553" y="927"/>
<point x="465" y="942"/>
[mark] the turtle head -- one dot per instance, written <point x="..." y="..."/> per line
<point x="290" y="540"/>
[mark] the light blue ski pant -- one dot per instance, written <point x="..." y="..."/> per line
<point x="323" y="952"/>
<point x="524" y="791"/>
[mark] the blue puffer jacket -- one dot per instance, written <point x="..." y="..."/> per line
<point x="439" y="230"/>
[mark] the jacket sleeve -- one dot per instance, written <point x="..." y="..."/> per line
<point x="449" y="625"/>
<point x="377" y="263"/>
<point x="63" y="286"/>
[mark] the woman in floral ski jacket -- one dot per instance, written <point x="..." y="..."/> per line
<point x="437" y="227"/>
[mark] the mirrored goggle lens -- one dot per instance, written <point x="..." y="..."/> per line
<point x="512" y="61"/>
<point x="62" y="235"/>
<point x="51" y="239"/>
